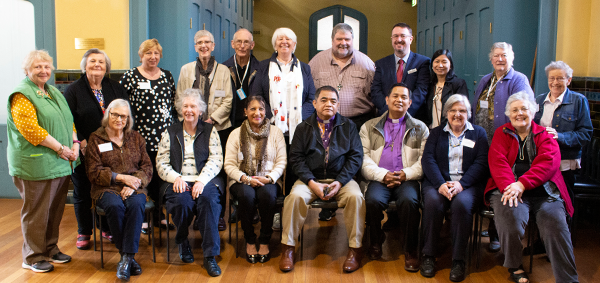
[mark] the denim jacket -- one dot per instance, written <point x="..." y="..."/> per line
<point x="572" y="122"/>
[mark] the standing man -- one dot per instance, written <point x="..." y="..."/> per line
<point x="242" y="66"/>
<point x="405" y="67"/>
<point x="325" y="154"/>
<point x="393" y="145"/>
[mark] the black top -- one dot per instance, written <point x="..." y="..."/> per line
<point x="152" y="108"/>
<point x="453" y="85"/>
<point x="237" y="106"/>
<point x="84" y="106"/>
<point x="522" y="165"/>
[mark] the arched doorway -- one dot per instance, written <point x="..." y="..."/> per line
<point x="321" y="24"/>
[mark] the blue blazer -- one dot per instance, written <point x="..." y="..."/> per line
<point x="261" y="86"/>
<point x="572" y="122"/>
<point x="417" y="82"/>
<point x="436" y="165"/>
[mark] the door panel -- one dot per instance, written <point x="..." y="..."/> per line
<point x="471" y="49"/>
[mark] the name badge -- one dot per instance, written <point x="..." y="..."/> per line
<point x="105" y="147"/>
<point x="219" y="93"/>
<point x="412" y="71"/>
<point x="483" y="104"/>
<point x="468" y="143"/>
<point x="240" y="156"/>
<point x="241" y="94"/>
<point x="144" y="85"/>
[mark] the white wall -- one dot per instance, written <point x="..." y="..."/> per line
<point x="18" y="38"/>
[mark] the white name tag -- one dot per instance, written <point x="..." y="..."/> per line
<point x="241" y="94"/>
<point x="483" y="104"/>
<point x="105" y="147"/>
<point x="412" y="71"/>
<point x="144" y="85"/>
<point x="219" y="93"/>
<point x="468" y="143"/>
<point x="240" y="156"/>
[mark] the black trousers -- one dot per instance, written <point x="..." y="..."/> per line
<point x="407" y="197"/>
<point x="248" y="197"/>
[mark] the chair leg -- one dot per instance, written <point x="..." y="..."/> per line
<point x="479" y="251"/>
<point x="229" y="222"/>
<point x="530" y="245"/>
<point x="101" y="245"/>
<point x="94" y="227"/>
<point x="151" y="225"/>
<point x="302" y="242"/>
<point x="237" y="241"/>
<point x="168" y="239"/>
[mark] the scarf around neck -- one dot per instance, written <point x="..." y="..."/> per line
<point x="286" y="114"/>
<point x="260" y="140"/>
<point x="200" y="72"/>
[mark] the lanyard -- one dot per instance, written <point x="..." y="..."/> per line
<point x="245" y="72"/>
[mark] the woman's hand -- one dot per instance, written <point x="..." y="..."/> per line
<point x="75" y="150"/>
<point x="126" y="192"/>
<point x="209" y="120"/>
<point x="264" y="180"/>
<point x="553" y="132"/>
<point x="130" y="181"/>
<point x="179" y="186"/>
<point x="83" y="146"/>
<point x="254" y="182"/>
<point x="66" y="153"/>
<point x="512" y="194"/>
<point x="197" y="190"/>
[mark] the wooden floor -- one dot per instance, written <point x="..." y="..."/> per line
<point x="325" y="248"/>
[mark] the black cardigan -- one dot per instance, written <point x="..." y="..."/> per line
<point x="84" y="106"/>
<point x="453" y="85"/>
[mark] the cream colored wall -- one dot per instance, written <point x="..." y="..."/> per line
<point x="108" y="19"/>
<point x="272" y="14"/>
<point x="578" y="43"/>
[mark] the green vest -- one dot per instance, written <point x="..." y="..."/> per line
<point x="35" y="163"/>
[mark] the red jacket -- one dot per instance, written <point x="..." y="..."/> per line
<point x="546" y="165"/>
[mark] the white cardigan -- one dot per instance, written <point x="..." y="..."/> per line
<point x="218" y="108"/>
<point x="275" y="151"/>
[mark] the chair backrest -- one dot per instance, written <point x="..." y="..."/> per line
<point x="590" y="154"/>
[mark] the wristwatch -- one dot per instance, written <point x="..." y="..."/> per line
<point x="271" y="179"/>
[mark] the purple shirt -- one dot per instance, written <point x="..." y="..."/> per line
<point x="393" y="133"/>
<point x="325" y="128"/>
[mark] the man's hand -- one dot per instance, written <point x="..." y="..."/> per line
<point x="317" y="188"/>
<point x="334" y="188"/>
<point x="197" y="190"/>
<point x="179" y="186"/>
<point x="454" y="188"/>
<point x="443" y="190"/>
<point x="394" y="179"/>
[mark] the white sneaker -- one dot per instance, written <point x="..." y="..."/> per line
<point x="277" y="221"/>
<point x="40" y="266"/>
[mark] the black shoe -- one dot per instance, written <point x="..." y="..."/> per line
<point x="428" y="266"/>
<point x="60" y="258"/>
<point x="457" y="273"/>
<point x="211" y="266"/>
<point x="146" y="230"/>
<point x="326" y="214"/>
<point x="264" y="258"/>
<point x="252" y="258"/>
<point x="135" y="268"/>
<point x="123" y="267"/>
<point x="40" y="266"/>
<point x="185" y="252"/>
<point x="222" y="226"/>
<point x="485" y="233"/>
<point x="233" y="215"/>
<point x="494" y="243"/>
<point x="170" y="226"/>
<point x="538" y="248"/>
<point x="256" y="217"/>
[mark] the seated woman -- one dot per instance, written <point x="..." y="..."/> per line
<point x="254" y="161"/>
<point x="119" y="169"/>
<point x="526" y="179"/>
<point x="189" y="159"/>
<point x="455" y="165"/>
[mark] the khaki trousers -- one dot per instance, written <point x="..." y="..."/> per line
<point x="42" y="211"/>
<point x="295" y="209"/>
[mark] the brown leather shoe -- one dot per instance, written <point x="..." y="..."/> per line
<point x="411" y="262"/>
<point x="286" y="263"/>
<point x="352" y="262"/>
<point x="376" y="251"/>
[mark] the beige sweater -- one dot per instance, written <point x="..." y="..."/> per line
<point x="275" y="151"/>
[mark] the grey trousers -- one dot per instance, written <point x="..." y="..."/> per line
<point x="42" y="211"/>
<point x="552" y="223"/>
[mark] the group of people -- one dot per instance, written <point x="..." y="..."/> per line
<point x="360" y="132"/>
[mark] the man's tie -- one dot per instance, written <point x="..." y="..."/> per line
<point x="400" y="70"/>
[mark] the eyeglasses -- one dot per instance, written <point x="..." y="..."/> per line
<point x="200" y="43"/>
<point x="558" y="79"/>
<point x="239" y="43"/>
<point x="118" y="117"/>
<point x="403" y="36"/>
<point x="496" y="56"/>
<point x="517" y="110"/>
<point x="461" y="112"/>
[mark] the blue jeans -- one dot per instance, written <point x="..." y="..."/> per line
<point x="124" y="218"/>
<point x="207" y="208"/>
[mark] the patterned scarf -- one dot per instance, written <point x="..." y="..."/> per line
<point x="260" y="140"/>
<point x="205" y="74"/>
<point x="488" y="94"/>
<point x="286" y="114"/>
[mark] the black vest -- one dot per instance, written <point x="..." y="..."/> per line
<point x="201" y="143"/>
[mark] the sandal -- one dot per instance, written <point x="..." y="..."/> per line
<point x="518" y="274"/>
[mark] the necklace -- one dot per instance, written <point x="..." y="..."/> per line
<point x="395" y="138"/>
<point x="436" y="98"/>
<point x="521" y="155"/>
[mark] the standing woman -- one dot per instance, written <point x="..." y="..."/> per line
<point x="151" y="92"/>
<point x="87" y="98"/>
<point x="41" y="145"/>
<point x="254" y="161"/>
<point x="443" y="84"/>
<point x="288" y="88"/>
<point x="119" y="169"/>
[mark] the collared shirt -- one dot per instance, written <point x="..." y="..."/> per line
<point x="455" y="151"/>
<point x="546" y="121"/>
<point x="353" y="81"/>
<point x="405" y="59"/>
<point x="393" y="133"/>
<point x="325" y="127"/>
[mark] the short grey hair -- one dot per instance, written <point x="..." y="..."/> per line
<point x="457" y="98"/>
<point x="504" y="46"/>
<point x="521" y="96"/>
<point x="559" y="65"/>
<point x="202" y="33"/>
<point x="341" y="27"/>
<point x="87" y="54"/>
<point x="242" y="30"/>
<point x="34" y="55"/>
<point x="286" y="32"/>
<point x="194" y="93"/>
<point x="118" y="103"/>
